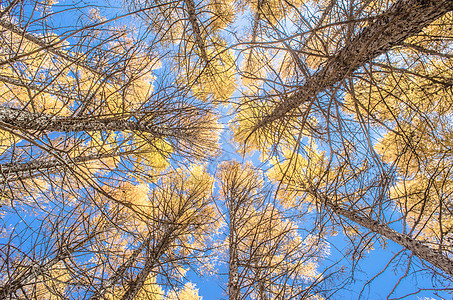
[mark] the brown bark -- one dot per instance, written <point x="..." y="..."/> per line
<point x="404" y="19"/>
<point x="155" y="254"/>
<point x="196" y="29"/>
<point x="152" y="260"/>
<point x="16" y="171"/>
<point x="24" y="120"/>
<point x="32" y="86"/>
<point x="233" y="273"/>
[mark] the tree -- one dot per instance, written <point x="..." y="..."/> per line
<point x="267" y="257"/>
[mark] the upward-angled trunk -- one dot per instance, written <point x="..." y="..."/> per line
<point x="405" y="18"/>
<point x="46" y="46"/>
<point x="151" y="262"/>
<point x="119" y="273"/>
<point x="233" y="268"/>
<point x="420" y="250"/>
<point x="31" y="85"/>
<point x="196" y="29"/>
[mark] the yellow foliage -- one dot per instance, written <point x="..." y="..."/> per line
<point x="216" y="79"/>
<point x="298" y="174"/>
<point x="152" y="152"/>
<point x="51" y="285"/>
<point x="425" y="201"/>
<point x="7" y="140"/>
<point x="273" y="10"/>
<point x="150" y="291"/>
<point x="224" y="13"/>
<point x="255" y="68"/>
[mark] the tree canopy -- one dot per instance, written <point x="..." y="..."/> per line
<point x="115" y="117"/>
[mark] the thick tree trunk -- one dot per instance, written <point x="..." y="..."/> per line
<point x="420" y="250"/>
<point x="24" y="120"/>
<point x="404" y="19"/>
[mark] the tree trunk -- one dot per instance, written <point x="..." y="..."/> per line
<point x="16" y="171"/>
<point x="120" y="271"/>
<point x="45" y="46"/>
<point x="199" y="41"/>
<point x="25" y="120"/>
<point x="151" y="262"/>
<point x="233" y="274"/>
<point x="404" y="19"/>
<point x="420" y="250"/>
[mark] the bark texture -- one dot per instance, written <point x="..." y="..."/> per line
<point x="42" y="122"/>
<point x="152" y="260"/>
<point x="233" y="268"/>
<point x="16" y="171"/>
<point x="196" y="29"/>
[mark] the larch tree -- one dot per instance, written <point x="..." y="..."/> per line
<point x="267" y="256"/>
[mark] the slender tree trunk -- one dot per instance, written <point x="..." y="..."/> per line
<point x="45" y="46"/>
<point x="34" y="87"/>
<point x="420" y="250"/>
<point x="196" y="29"/>
<point x="151" y="262"/>
<point x="16" y="171"/>
<point x="156" y="253"/>
<point x="404" y="19"/>
<point x="233" y="268"/>
<point x="120" y="271"/>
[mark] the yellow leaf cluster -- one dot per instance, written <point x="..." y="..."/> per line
<point x="151" y="152"/>
<point x="273" y="10"/>
<point x="298" y="174"/>
<point x="216" y="79"/>
<point x="426" y="202"/>
<point x="51" y="284"/>
<point x="150" y="291"/>
<point x="223" y="13"/>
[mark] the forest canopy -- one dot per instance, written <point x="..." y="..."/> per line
<point x="226" y="149"/>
